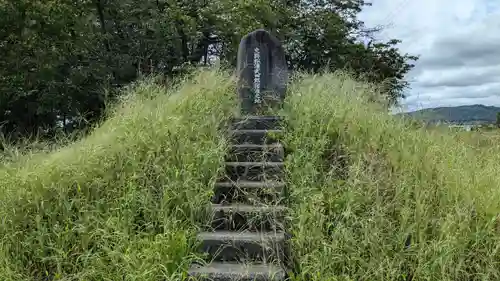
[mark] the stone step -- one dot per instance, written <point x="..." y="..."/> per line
<point x="257" y="122"/>
<point x="254" y="171"/>
<point x="250" y="192"/>
<point x="256" y="152"/>
<point x="255" y="136"/>
<point x="217" y="271"/>
<point x="240" y="217"/>
<point x="243" y="246"/>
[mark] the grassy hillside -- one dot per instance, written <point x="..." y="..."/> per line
<point x="402" y="202"/>
<point x="371" y="197"/>
<point x="119" y="204"/>
<point x="458" y="114"/>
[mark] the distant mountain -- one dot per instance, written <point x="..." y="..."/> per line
<point x="467" y="114"/>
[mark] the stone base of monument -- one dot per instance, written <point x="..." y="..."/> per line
<point x="268" y="103"/>
<point x="244" y="238"/>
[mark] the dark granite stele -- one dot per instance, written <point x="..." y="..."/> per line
<point x="262" y="72"/>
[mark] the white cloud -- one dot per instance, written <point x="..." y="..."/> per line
<point x="459" y="46"/>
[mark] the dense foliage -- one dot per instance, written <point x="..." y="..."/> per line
<point x="63" y="60"/>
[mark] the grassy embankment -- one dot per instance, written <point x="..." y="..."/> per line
<point x="119" y="204"/>
<point x="409" y="202"/>
<point x="403" y="201"/>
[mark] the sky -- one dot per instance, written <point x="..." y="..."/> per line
<point x="458" y="42"/>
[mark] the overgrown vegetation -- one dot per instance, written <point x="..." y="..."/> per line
<point x="63" y="60"/>
<point x="373" y="197"/>
<point x="119" y="204"/>
<point x="408" y="204"/>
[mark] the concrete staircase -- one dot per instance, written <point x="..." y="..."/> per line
<point x="245" y="238"/>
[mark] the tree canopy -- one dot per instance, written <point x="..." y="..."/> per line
<point x="64" y="59"/>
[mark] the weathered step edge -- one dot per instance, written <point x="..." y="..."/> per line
<point x="253" y="171"/>
<point x="242" y="217"/>
<point x="257" y="122"/>
<point x="249" y="192"/>
<point x="248" y="208"/>
<point x="237" y="271"/>
<point x="251" y="184"/>
<point x="256" y="164"/>
<point x="254" y="136"/>
<point x="244" y="246"/>
<point x="256" y="153"/>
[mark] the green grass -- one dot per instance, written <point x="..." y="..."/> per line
<point x="402" y="202"/>
<point x="372" y="197"/>
<point x="120" y="203"/>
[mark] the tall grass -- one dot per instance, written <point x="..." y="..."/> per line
<point x="121" y="203"/>
<point x="373" y="198"/>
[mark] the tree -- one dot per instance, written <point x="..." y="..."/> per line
<point x="63" y="59"/>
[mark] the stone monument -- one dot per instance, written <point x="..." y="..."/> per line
<point x="262" y="72"/>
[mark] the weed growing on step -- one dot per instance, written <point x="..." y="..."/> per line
<point x="119" y="204"/>
<point x="412" y="204"/>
